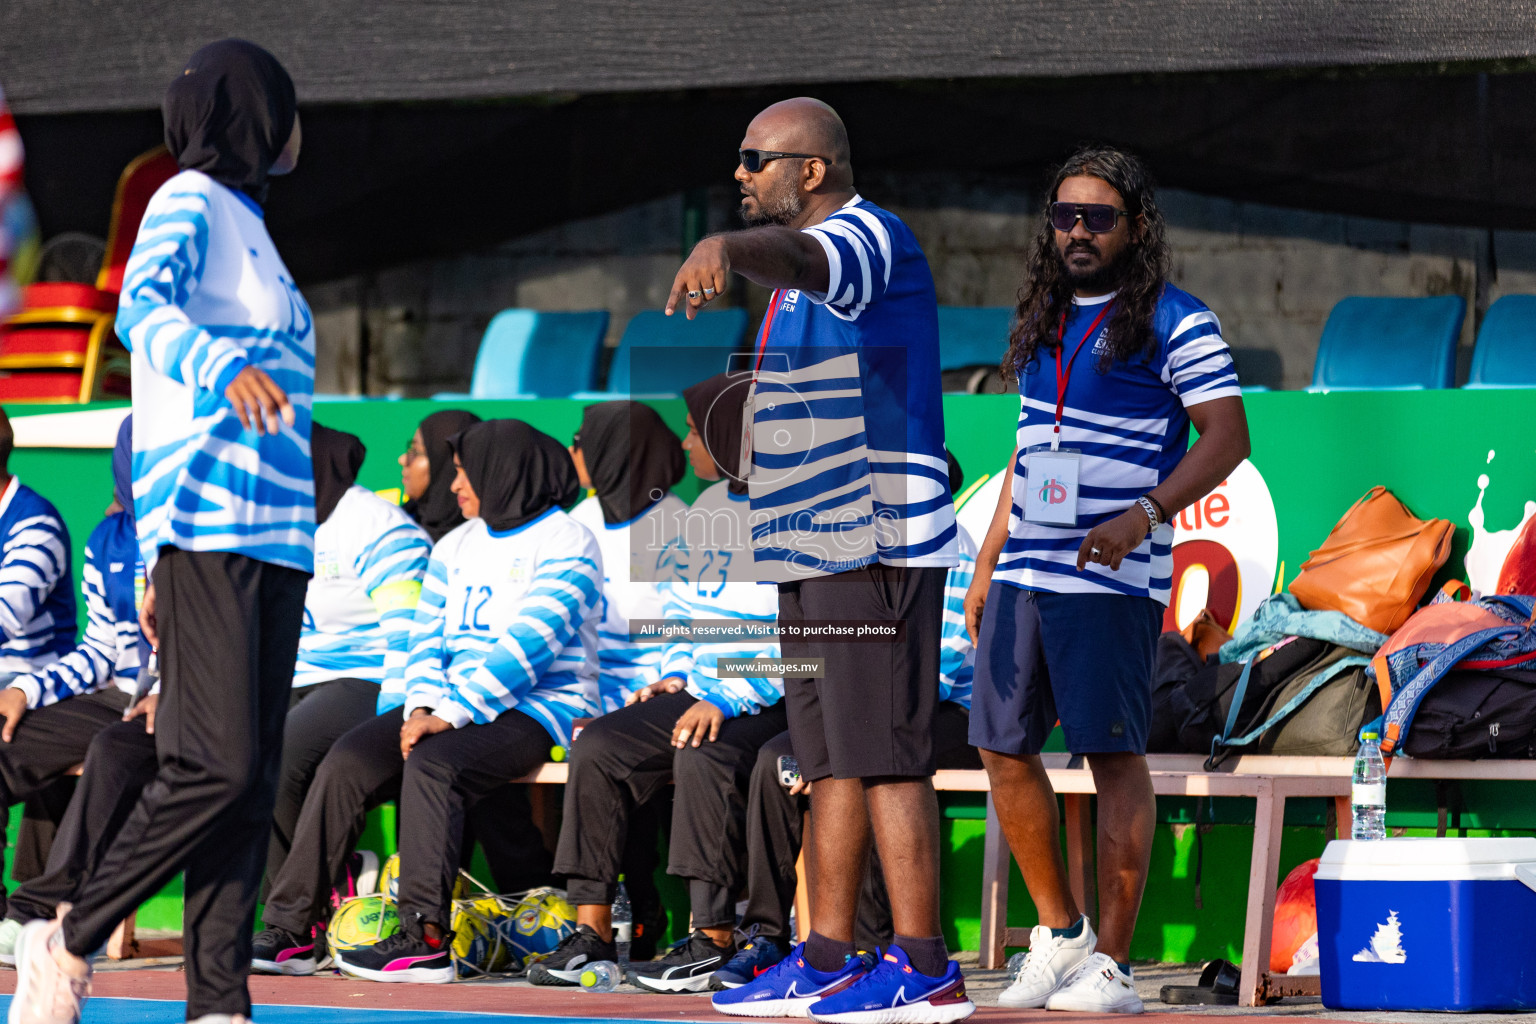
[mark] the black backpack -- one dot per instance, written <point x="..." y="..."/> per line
<point x="1472" y="714"/>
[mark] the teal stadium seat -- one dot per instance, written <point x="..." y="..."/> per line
<point x="973" y="335"/>
<point x="1505" y="356"/>
<point x="1389" y="344"/>
<point x="662" y="355"/>
<point x="526" y="353"/>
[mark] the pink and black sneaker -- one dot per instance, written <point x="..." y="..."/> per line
<point x="401" y="957"/>
<point x="275" y="951"/>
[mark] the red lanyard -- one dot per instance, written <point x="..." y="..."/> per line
<point x="762" y="341"/>
<point x="1063" y="377"/>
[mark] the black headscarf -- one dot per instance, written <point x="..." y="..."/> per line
<point x="438" y="510"/>
<point x="518" y="473"/>
<point x="122" y="467"/>
<point x="630" y="455"/>
<point x="337" y="456"/>
<point x="229" y="114"/>
<point x="717" y="405"/>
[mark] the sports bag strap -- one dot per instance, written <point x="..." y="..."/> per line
<point x="1237" y="704"/>
<point x="1456" y="590"/>
<point x="1399" y="714"/>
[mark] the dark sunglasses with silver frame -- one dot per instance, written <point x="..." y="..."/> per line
<point x="755" y="159"/>
<point x="1098" y="218"/>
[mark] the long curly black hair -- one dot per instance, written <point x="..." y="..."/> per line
<point x="1046" y="293"/>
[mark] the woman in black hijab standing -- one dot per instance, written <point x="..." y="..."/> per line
<point x="223" y="373"/>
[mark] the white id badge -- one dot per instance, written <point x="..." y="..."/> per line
<point x="745" y="469"/>
<point x="1051" y="480"/>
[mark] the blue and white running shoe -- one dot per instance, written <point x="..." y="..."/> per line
<point x="896" y="993"/>
<point x="789" y="987"/>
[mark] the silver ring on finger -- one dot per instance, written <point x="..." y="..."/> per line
<point x="1094" y="552"/>
<point x="708" y="292"/>
<point x="693" y="295"/>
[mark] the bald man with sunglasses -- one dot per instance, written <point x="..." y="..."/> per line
<point x="849" y="488"/>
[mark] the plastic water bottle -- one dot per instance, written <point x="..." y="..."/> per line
<point x="1368" y="794"/>
<point x="601" y="976"/>
<point x="623" y="926"/>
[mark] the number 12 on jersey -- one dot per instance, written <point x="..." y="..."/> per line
<point x="475" y="600"/>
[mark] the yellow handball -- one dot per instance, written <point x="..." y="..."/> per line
<point x="361" y="921"/>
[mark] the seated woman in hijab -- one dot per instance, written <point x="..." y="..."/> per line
<point x="426" y="472"/>
<point x="687" y="724"/>
<point x="627" y="455"/>
<point x="502" y="822"/>
<point x="502" y="661"/>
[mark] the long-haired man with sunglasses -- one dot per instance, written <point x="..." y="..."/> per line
<point x="852" y="517"/>
<point x="1113" y="364"/>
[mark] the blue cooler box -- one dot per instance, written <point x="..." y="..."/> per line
<point x="1428" y="924"/>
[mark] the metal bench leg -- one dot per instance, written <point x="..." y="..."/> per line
<point x="1081" y="854"/>
<point x="995" y="862"/>
<point x="1263" y="876"/>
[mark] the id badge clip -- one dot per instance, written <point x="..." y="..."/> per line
<point x="1051" y="476"/>
<point x="745" y="468"/>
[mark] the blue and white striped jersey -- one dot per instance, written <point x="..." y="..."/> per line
<point x="635" y="561"/>
<point x="714" y="557"/>
<point x="509" y="620"/>
<point x="112" y="581"/>
<point x="1131" y="425"/>
<point x="370" y="561"/>
<point x="957" y="655"/>
<point x="205" y="294"/>
<point x="37" y="596"/>
<point x="848" y="422"/>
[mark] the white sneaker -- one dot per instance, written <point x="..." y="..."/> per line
<point x="1097" y="986"/>
<point x="45" y="994"/>
<point x="1046" y="966"/>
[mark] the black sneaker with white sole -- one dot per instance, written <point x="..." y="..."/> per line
<point x="274" y="951"/>
<point x="401" y="957"/>
<point x="563" y="964"/>
<point x="685" y="967"/>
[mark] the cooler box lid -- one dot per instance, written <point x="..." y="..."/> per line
<point x="1427" y="860"/>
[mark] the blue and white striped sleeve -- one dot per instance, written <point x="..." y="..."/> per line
<point x="1199" y="365"/>
<point x="858" y="248"/>
<point x="36" y="554"/>
<point x="86" y="668"/>
<point x="563" y="594"/>
<point x="164" y="269"/>
<point x="424" y="678"/>
<point x="676" y="658"/>
<point x="393" y="567"/>
<point x="957" y="655"/>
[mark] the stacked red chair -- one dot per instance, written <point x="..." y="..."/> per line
<point x="60" y="347"/>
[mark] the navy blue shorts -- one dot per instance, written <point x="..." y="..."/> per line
<point x="1083" y="658"/>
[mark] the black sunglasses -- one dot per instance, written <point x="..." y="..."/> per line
<point x="754" y="159"/>
<point x="1098" y="218"/>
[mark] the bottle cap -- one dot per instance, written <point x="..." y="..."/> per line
<point x="557" y="754"/>
<point x="1370" y="736"/>
<point x="621" y="878"/>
